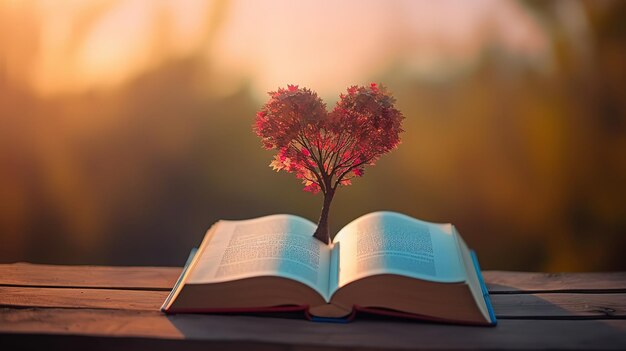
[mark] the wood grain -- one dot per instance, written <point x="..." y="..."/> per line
<point x="88" y="307"/>
<point x="527" y="282"/>
<point x="163" y="278"/>
<point x="137" y="278"/>
<point x="530" y="306"/>
<point x="101" y="325"/>
<point x="559" y="306"/>
<point x="138" y="300"/>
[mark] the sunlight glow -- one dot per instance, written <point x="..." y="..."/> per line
<point x="323" y="45"/>
<point x="320" y="44"/>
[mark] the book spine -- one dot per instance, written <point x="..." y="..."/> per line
<point x="340" y="320"/>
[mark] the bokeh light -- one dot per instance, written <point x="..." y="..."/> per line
<point x="125" y="126"/>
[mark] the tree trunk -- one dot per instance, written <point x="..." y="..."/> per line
<point x="322" y="233"/>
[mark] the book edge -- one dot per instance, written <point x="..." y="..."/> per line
<point x="483" y="287"/>
<point x="290" y="308"/>
<point x="417" y="317"/>
<point x="170" y="296"/>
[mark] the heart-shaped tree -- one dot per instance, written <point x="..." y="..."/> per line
<point x="328" y="149"/>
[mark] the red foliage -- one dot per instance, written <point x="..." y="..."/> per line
<point x="328" y="149"/>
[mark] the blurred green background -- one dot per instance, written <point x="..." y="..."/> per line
<point x="125" y="126"/>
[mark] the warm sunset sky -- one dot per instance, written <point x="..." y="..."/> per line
<point x="92" y="44"/>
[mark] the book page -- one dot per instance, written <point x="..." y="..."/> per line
<point x="278" y="245"/>
<point x="392" y="243"/>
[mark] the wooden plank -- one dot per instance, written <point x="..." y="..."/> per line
<point x="101" y="327"/>
<point x="149" y="278"/>
<point x="559" y="306"/>
<point x="78" y="342"/>
<point x="82" y="298"/>
<point x="516" y="282"/>
<point x="163" y="278"/>
<point x="537" y="306"/>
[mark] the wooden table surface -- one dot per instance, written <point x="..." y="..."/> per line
<point x="93" y="308"/>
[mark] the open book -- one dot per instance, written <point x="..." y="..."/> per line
<point x="382" y="262"/>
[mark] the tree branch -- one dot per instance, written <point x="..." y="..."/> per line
<point x="347" y="171"/>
